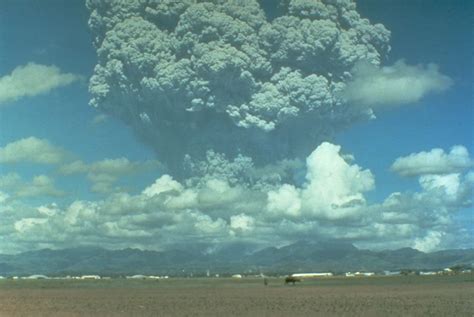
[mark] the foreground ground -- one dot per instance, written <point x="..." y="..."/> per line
<point x="369" y="296"/>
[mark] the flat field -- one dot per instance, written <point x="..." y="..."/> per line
<point x="336" y="296"/>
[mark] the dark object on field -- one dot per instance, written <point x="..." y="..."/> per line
<point x="265" y="281"/>
<point x="291" y="279"/>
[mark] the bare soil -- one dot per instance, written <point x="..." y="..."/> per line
<point x="378" y="296"/>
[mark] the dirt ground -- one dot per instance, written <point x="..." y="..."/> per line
<point x="378" y="296"/>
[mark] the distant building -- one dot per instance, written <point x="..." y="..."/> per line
<point x="144" y="277"/>
<point x="35" y="277"/>
<point x="90" y="277"/>
<point x="429" y="273"/>
<point x="364" y="273"/>
<point x="310" y="275"/>
<point x="391" y="273"/>
<point x="349" y="274"/>
<point x="236" y="276"/>
<point x="137" y="277"/>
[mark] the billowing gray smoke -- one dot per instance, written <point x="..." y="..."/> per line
<point x="195" y="75"/>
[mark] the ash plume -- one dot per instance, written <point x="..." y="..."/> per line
<point x="192" y="76"/>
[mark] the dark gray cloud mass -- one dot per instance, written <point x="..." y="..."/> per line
<point x="192" y="76"/>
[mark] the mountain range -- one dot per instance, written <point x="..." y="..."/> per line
<point x="303" y="256"/>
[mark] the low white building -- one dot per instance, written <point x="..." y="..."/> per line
<point x="364" y="273"/>
<point x="448" y="271"/>
<point x="90" y="277"/>
<point x="428" y="273"/>
<point x="237" y="276"/>
<point x="310" y="275"/>
<point x="137" y="277"/>
<point x="35" y="277"/>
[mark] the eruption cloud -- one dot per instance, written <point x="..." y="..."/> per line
<point x="239" y="103"/>
<point x="193" y="76"/>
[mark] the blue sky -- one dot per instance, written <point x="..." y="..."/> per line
<point x="435" y="33"/>
<point x="56" y="33"/>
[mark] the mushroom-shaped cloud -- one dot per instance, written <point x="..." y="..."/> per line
<point x="192" y="76"/>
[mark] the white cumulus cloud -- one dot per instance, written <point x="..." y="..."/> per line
<point x="40" y="185"/>
<point x="226" y="205"/>
<point x="394" y="85"/>
<point x="32" y="150"/>
<point x="333" y="189"/>
<point x="436" y="161"/>
<point x="242" y="222"/>
<point x="105" y="173"/>
<point x="33" y="79"/>
<point x="163" y="184"/>
<point x="334" y="186"/>
<point x="429" y="242"/>
<point x="284" y="201"/>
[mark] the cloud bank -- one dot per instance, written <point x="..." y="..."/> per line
<point x="33" y="79"/>
<point x="215" y="210"/>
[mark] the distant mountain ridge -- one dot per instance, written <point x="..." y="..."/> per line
<point x="303" y="256"/>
